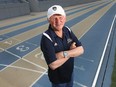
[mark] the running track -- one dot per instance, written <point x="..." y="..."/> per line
<point x="21" y="60"/>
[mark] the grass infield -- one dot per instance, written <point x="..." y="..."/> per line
<point x="113" y="84"/>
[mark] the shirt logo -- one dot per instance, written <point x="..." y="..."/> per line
<point x="55" y="44"/>
<point x="69" y="40"/>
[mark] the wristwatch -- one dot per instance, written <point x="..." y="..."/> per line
<point x="65" y="54"/>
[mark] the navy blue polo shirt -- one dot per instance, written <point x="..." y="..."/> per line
<point x="63" y="73"/>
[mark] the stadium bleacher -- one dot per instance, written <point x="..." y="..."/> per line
<point x="9" y="1"/>
<point x="14" y="8"/>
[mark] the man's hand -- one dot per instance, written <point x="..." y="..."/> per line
<point x="73" y="45"/>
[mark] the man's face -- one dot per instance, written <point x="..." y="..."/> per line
<point x="57" y="21"/>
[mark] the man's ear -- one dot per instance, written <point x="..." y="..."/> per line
<point x="65" y="18"/>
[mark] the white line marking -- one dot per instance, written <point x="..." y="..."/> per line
<point x="33" y="63"/>
<point x="45" y="73"/>
<point x="9" y="64"/>
<point x="23" y="59"/>
<point x="79" y="67"/>
<point x="22" y="68"/>
<point x="86" y="59"/>
<point x="2" y="49"/>
<point x="27" y="60"/>
<point x="93" y="23"/>
<point x="12" y="53"/>
<point x="31" y="43"/>
<point x="41" y="55"/>
<point x="102" y="57"/>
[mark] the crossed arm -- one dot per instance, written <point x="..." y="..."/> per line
<point x="73" y="52"/>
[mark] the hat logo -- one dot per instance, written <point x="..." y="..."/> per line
<point x="54" y="8"/>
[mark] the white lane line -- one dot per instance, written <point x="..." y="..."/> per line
<point x="1" y="49"/>
<point x="24" y="59"/>
<point x="45" y="73"/>
<point x="79" y="67"/>
<point x="86" y="59"/>
<point x="22" y="68"/>
<point x="8" y="65"/>
<point x="12" y="54"/>
<point x="93" y="23"/>
<point x="33" y="63"/>
<point x="103" y="54"/>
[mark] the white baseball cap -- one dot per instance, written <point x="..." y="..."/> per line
<point x="55" y="9"/>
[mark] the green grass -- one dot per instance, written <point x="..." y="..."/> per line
<point x="113" y="84"/>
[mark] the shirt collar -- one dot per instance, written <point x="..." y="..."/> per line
<point x="53" y="33"/>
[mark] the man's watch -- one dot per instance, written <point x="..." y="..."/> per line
<point x="65" y="54"/>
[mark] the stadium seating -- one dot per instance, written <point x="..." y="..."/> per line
<point x="13" y="8"/>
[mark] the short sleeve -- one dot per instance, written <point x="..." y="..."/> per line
<point x="48" y="50"/>
<point x="75" y="39"/>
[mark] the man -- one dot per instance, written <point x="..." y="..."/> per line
<point x="59" y="46"/>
